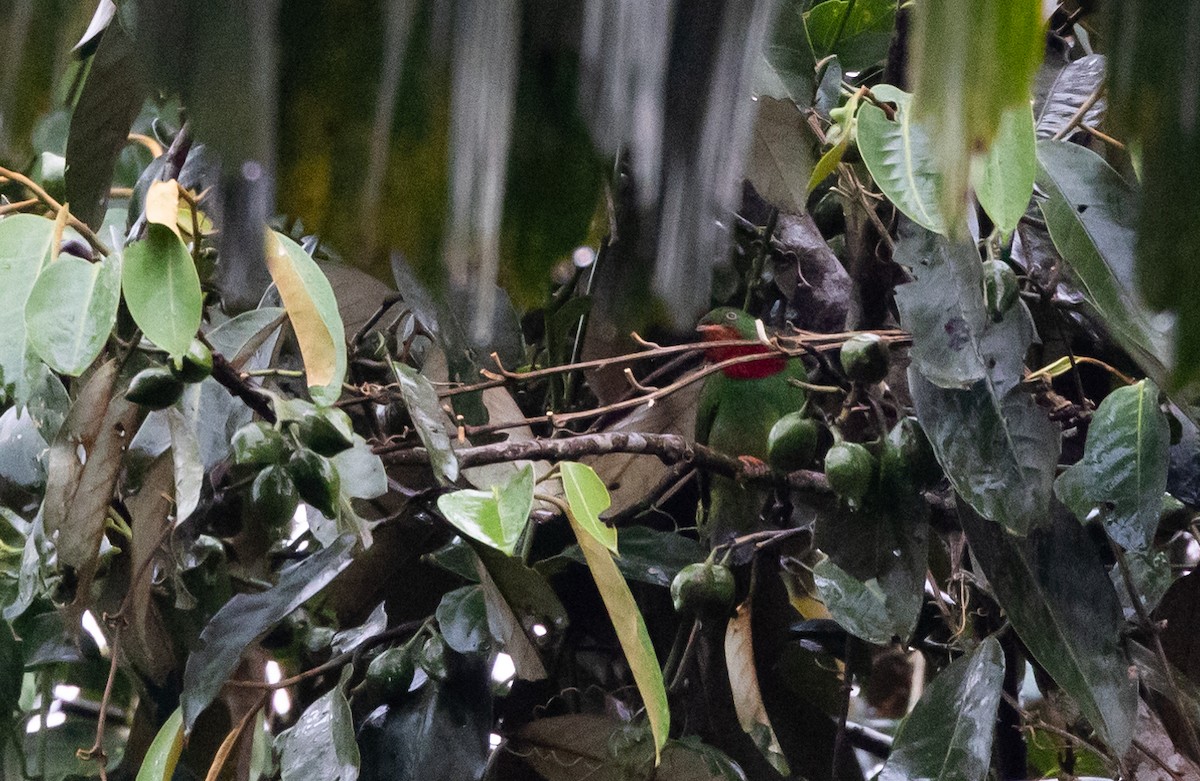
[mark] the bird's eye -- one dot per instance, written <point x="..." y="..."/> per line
<point x="731" y="316"/>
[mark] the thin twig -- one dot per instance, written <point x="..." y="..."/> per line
<point x="1080" y="113"/>
<point x="56" y="207"/>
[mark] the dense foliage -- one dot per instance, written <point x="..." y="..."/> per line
<point x="326" y="450"/>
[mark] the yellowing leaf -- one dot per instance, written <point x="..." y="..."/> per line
<point x="628" y="622"/>
<point x="588" y="498"/>
<point x="162" y="205"/>
<point x="312" y="308"/>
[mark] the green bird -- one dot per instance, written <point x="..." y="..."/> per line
<point x="738" y="406"/>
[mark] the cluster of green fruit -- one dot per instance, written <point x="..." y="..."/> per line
<point x="161" y="386"/>
<point x="293" y="463"/>
<point x="851" y="467"/>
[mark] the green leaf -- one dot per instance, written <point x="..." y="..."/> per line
<point x="860" y="607"/>
<point x="104" y="112"/>
<point x="781" y="155"/>
<point x="162" y="289"/>
<point x="647" y="555"/>
<point x="786" y="69"/>
<point x="857" y="31"/>
<point x="497" y="517"/>
<point x="163" y="754"/>
<point x="462" y="617"/>
<point x="248" y="616"/>
<point x="901" y="159"/>
<point x="429" y="420"/>
<point x="955" y="341"/>
<point x="1090" y="212"/>
<point x="313" y="310"/>
<point x="1003" y="179"/>
<point x="969" y="63"/>
<point x="999" y="452"/>
<point x="25" y="243"/>
<point x="1061" y="91"/>
<point x="948" y="735"/>
<point x="361" y="471"/>
<point x="71" y="311"/>
<point x="1123" y="472"/>
<point x="321" y="744"/>
<point x="627" y="621"/>
<point x="189" y="469"/>
<point x="1055" y="590"/>
<point x="588" y="498"/>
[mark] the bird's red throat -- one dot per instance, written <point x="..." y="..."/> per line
<point x="748" y="370"/>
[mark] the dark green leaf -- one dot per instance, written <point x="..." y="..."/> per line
<point x="1054" y="589"/>
<point x="1123" y="473"/>
<point x="786" y="69"/>
<point x="647" y="556"/>
<point x="1151" y="573"/>
<point x="857" y="32"/>
<point x="782" y="156"/>
<point x="430" y="421"/>
<point x="948" y="735"/>
<point x="12" y="669"/>
<point x="1060" y="92"/>
<point x="442" y="732"/>
<point x="1000" y="453"/>
<point x="162" y="289"/>
<point x="901" y="158"/>
<point x="246" y="617"/>
<point x="107" y="105"/>
<point x="956" y="343"/>
<point x="321" y="744"/>
<point x="1090" y="212"/>
<point x="462" y="618"/>
<point x="24" y="251"/>
<point x="71" y="311"/>
<point x="349" y="639"/>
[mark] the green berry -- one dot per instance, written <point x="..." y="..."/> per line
<point x="1000" y="288"/>
<point x="194" y="365"/>
<point x="259" y="443"/>
<point x="273" y="497"/>
<point x="702" y="589"/>
<point x="792" y="443"/>
<point x="864" y="358"/>
<point x="155" y="388"/>
<point x="316" y="480"/>
<point x="850" y="468"/>
<point x="325" y="430"/>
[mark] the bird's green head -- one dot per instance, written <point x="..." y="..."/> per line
<point x="726" y="322"/>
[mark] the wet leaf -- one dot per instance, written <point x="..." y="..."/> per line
<point x="1061" y="92"/>
<point x="163" y="754"/>
<point x="956" y="343"/>
<point x="463" y="620"/>
<point x="647" y="555"/>
<point x="362" y="472"/>
<point x="71" y="310"/>
<point x="999" y="452"/>
<point x="313" y="310"/>
<point x="189" y="469"/>
<point x="588" y="498"/>
<point x="517" y="600"/>
<point x="626" y="618"/>
<point x="496" y="517"/>
<point x="1055" y="590"/>
<point x="901" y="158"/>
<point x="948" y="735"/>
<point x="786" y="68"/>
<point x="25" y="242"/>
<point x="321" y="743"/>
<point x="1123" y="472"/>
<point x="1090" y="212"/>
<point x="248" y="616"/>
<point x="240" y="338"/>
<point x="857" y="32"/>
<point x="162" y="289"/>
<point x="430" y="421"/>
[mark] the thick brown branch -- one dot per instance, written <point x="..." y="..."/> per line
<point x="668" y="448"/>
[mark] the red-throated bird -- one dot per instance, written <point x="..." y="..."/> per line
<point x="738" y="405"/>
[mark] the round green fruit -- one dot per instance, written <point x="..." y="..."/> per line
<point x="194" y="365"/>
<point x="316" y="480"/>
<point x="849" y="467"/>
<point x="433" y="658"/>
<point x="155" y="388"/>
<point x="273" y="497"/>
<point x="326" y="430"/>
<point x="259" y="443"/>
<point x="1000" y="287"/>
<point x="792" y="443"/>
<point x="864" y="358"/>
<point x="701" y="589"/>
<point x="391" y="673"/>
<point x="908" y="446"/>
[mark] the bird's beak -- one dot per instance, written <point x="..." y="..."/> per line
<point x="710" y="332"/>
